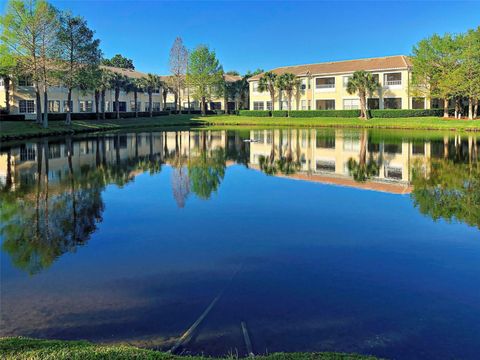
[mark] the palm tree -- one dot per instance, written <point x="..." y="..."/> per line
<point x="106" y="82"/>
<point x="288" y="82"/>
<point x="119" y="82"/>
<point x="363" y="83"/>
<point x="268" y="82"/>
<point x="134" y="85"/>
<point x="150" y="83"/>
<point x="363" y="170"/>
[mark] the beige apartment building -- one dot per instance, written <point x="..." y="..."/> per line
<point x="323" y="86"/>
<point x="22" y="98"/>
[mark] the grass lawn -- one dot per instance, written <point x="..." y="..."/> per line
<point x="32" y="349"/>
<point x="23" y="129"/>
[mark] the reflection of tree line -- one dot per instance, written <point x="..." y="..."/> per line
<point x="450" y="189"/>
<point x="40" y="221"/>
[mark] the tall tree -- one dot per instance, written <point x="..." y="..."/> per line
<point x="288" y="82"/>
<point x="120" y="62"/>
<point x="78" y="49"/>
<point x="435" y="60"/>
<point x="268" y="82"/>
<point x="205" y="75"/>
<point x="362" y="83"/>
<point x="48" y="19"/>
<point x="178" y="68"/>
<point x="134" y="85"/>
<point x="468" y="73"/>
<point x="105" y="83"/>
<point x="21" y="34"/>
<point x="150" y="83"/>
<point x="7" y="69"/>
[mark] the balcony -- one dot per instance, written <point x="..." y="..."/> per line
<point x="393" y="82"/>
<point x="325" y="86"/>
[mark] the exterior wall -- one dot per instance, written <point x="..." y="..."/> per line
<point x="18" y="93"/>
<point x="194" y="104"/>
<point x="339" y="93"/>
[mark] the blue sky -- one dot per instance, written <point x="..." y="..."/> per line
<point x="248" y="35"/>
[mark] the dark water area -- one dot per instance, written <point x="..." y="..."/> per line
<point x="314" y="239"/>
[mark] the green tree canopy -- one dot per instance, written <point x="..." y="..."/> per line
<point x="120" y="62"/>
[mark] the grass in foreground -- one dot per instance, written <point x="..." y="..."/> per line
<point x="26" y="348"/>
<point x="23" y="129"/>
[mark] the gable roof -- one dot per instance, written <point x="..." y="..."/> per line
<point x="398" y="62"/>
<point x="138" y="75"/>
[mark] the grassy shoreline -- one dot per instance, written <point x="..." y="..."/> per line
<point x="16" y="348"/>
<point x="22" y="129"/>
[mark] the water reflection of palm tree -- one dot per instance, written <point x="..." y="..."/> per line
<point x="362" y="170"/>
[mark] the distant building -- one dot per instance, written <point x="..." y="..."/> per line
<point x="323" y="86"/>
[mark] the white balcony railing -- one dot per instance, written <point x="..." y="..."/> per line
<point x="393" y="82"/>
<point x="325" y="86"/>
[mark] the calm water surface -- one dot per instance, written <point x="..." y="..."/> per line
<point x="315" y="240"/>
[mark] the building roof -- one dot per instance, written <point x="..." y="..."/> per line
<point x="138" y="75"/>
<point x="397" y="62"/>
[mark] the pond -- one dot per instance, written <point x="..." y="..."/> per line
<point x="221" y="242"/>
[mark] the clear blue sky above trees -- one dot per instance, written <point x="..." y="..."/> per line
<point x="248" y="35"/>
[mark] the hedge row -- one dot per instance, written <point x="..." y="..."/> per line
<point x="108" y="115"/>
<point x="395" y="113"/>
<point x="254" y="113"/>
<point x="377" y="113"/>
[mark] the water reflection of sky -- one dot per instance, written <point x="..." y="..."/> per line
<point x="307" y="266"/>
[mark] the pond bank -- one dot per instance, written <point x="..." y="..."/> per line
<point x="26" y="348"/>
<point x="21" y="129"/>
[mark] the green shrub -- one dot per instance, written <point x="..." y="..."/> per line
<point x="254" y="113"/>
<point x="400" y="113"/>
<point x="325" y="113"/>
<point x="279" y="113"/>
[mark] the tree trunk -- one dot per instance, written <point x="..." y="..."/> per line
<point x="445" y="108"/>
<point x="150" y="107"/>
<point x="6" y="79"/>
<point x="363" y="107"/>
<point x="68" y="117"/>
<point x="188" y="100"/>
<point x="179" y="101"/>
<point x="176" y="100"/>
<point x="117" y="108"/>
<point x="38" y="103"/>
<point x="45" y="106"/>
<point x="475" y="109"/>
<point x="470" y="108"/>
<point x="97" y="104"/>
<point x="204" y="110"/>
<point x="103" y="104"/>
<point x="135" y="98"/>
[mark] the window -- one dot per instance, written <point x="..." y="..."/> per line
<point x="156" y="91"/>
<point x="26" y="106"/>
<point x="2" y="83"/>
<point x="215" y="105"/>
<point x="376" y="77"/>
<point x="392" y="172"/>
<point x="53" y="106"/>
<point x="85" y="105"/>
<point x="392" y="103"/>
<point x="25" y="81"/>
<point x="134" y="107"/>
<point x="351" y="104"/>
<point x="304" y="105"/>
<point x="122" y="106"/>
<point x="436" y="104"/>
<point x="258" y="105"/>
<point x="373" y="103"/>
<point x="418" y="148"/>
<point x="255" y="86"/>
<point x="392" y="79"/>
<point x="325" y="104"/>
<point x="325" y="83"/>
<point x="284" y="105"/>
<point x="156" y="106"/>
<point x="65" y="106"/>
<point x="269" y="105"/>
<point x="418" y="103"/>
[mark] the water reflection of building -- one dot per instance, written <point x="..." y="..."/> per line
<point x="323" y="155"/>
<point x="19" y="164"/>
